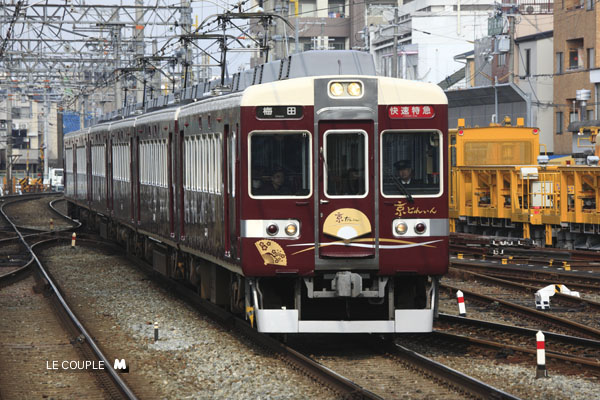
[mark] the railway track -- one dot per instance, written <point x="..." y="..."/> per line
<point x="581" y="279"/>
<point x="521" y="251"/>
<point x="65" y="340"/>
<point x="400" y="372"/>
<point x="522" y="312"/>
<point x="564" y="353"/>
<point x="564" y="300"/>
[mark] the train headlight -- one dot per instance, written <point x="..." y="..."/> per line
<point x="272" y="229"/>
<point x="291" y="229"/>
<point x="420" y="228"/>
<point x="354" y="89"/>
<point x="401" y="228"/>
<point x="336" y="89"/>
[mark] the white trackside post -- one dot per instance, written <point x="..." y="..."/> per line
<point x="462" y="310"/>
<point x="541" y="356"/>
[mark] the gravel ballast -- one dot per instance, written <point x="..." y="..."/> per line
<point x="193" y="358"/>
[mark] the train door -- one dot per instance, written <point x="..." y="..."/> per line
<point x="346" y="215"/>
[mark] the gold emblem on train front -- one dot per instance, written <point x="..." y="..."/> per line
<point x="271" y="252"/>
<point x="346" y="224"/>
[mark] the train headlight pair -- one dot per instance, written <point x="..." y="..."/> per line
<point x="345" y="89"/>
<point x="291" y="229"/>
<point x="401" y="228"/>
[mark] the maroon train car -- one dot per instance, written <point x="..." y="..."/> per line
<point x="309" y="203"/>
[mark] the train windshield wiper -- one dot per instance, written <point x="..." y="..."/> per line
<point x="402" y="188"/>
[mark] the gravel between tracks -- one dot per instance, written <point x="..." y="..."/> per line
<point x="194" y="357"/>
<point x="35" y="214"/>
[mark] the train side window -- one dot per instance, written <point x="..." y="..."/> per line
<point x="186" y="163"/>
<point x="69" y="159"/>
<point x="280" y="164"/>
<point x="211" y="164"/>
<point x="218" y="164"/>
<point x="204" y="164"/>
<point x="411" y="163"/>
<point x="194" y="162"/>
<point x="165" y="151"/>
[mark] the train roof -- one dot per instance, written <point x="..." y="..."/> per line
<point x="210" y="104"/>
<point x="123" y="123"/>
<point x="168" y="114"/>
<point x="300" y="91"/>
<point x="77" y="133"/>
<point x="100" y="127"/>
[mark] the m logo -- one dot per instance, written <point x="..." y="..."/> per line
<point x="121" y="365"/>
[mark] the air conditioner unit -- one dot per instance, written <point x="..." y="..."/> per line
<point x="23" y="126"/>
<point x="502" y="44"/>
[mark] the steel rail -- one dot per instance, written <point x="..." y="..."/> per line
<point x="468" y="383"/>
<point x="538" y="315"/>
<point x="561" y="297"/>
<point x="593" y="366"/>
<point x="559" y="337"/>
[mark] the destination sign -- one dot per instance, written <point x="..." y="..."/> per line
<point x="411" y="112"/>
<point x="279" y="112"/>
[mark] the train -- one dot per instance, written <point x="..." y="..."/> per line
<point x="503" y="184"/>
<point x="278" y="195"/>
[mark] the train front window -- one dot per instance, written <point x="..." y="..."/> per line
<point x="345" y="167"/>
<point x="411" y="163"/>
<point x="280" y="164"/>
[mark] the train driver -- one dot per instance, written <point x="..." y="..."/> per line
<point x="404" y="172"/>
<point x="277" y="186"/>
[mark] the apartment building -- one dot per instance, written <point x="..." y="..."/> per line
<point x="575" y="65"/>
<point x="29" y="119"/>
<point x="430" y="34"/>
<point x="317" y="25"/>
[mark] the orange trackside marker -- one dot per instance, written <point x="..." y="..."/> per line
<point x="504" y="261"/>
<point x="460" y="256"/>
<point x="566" y="266"/>
<point x="73" y="237"/>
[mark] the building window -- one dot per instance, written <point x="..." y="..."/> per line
<point x="589" y="4"/>
<point x="527" y="62"/>
<point x="336" y="9"/>
<point x="559" y="123"/>
<point x="591" y="58"/>
<point x="501" y="59"/>
<point x="559" y="62"/>
<point x="307" y="8"/>
<point x="337" y="43"/>
<point x="573" y="59"/>
<point x="576" y="53"/>
<point x="573" y="116"/>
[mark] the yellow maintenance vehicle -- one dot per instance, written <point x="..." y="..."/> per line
<point x="502" y="185"/>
